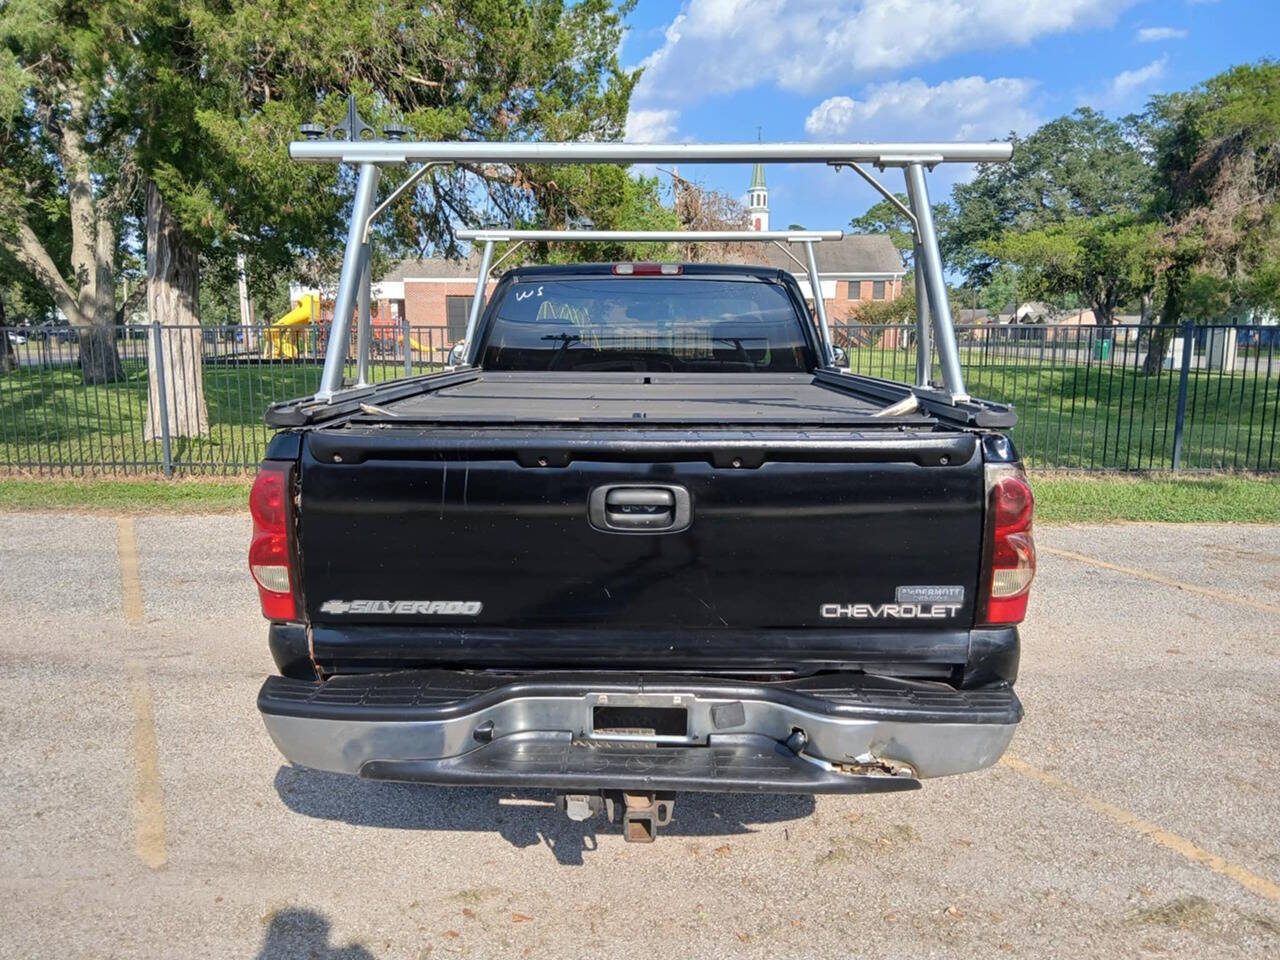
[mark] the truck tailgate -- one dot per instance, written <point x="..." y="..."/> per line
<point x="476" y="530"/>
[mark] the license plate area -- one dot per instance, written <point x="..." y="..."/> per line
<point x="642" y="721"/>
<point x="657" y="720"/>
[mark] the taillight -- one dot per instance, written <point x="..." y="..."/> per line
<point x="1010" y="550"/>
<point x="271" y="505"/>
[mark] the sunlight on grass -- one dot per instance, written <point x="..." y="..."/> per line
<point x="49" y="418"/>
<point x="1224" y="498"/>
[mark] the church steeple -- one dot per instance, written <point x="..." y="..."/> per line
<point x="758" y="200"/>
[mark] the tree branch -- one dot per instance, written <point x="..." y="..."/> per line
<point x="30" y="252"/>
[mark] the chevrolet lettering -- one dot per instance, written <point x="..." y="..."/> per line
<point x="895" y="611"/>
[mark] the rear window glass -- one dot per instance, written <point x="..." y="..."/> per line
<point x="647" y="324"/>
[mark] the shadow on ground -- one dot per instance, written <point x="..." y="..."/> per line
<point x="407" y="806"/>
<point x="295" y="932"/>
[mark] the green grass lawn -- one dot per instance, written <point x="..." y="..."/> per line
<point x="1108" y="415"/>
<point x="1060" y="499"/>
<point x="1224" y="498"/>
<point x="1090" y="415"/>
<point x="49" y="418"/>
<point x="101" y="495"/>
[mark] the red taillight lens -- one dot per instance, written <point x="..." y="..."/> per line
<point x="1010" y="548"/>
<point x="269" y="558"/>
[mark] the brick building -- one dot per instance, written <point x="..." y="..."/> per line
<point x="857" y="268"/>
<point x="432" y="292"/>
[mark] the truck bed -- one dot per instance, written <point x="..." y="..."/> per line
<point x="470" y="396"/>
<point x="687" y="399"/>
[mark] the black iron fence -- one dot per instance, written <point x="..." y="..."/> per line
<point x="1131" y="397"/>
<point x="139" y="421"/>
<point x="1207" y="399"/>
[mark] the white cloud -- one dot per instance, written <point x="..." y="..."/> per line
<point x="720" y="46"/>
<point x="967" y="108"/>
<point x="1129" y="85"/>
<point x="1156" y="34"/>
<point x="651" y="126"/>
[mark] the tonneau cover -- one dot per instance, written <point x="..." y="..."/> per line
<point x="652" y="397"/>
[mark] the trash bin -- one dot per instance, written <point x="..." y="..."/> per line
<point x="1102" y="349"/>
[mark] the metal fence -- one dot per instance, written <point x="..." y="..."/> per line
<point x="1087" y="398"/>
<point x="1083" y="396"/>
<point x="52" y="421"/>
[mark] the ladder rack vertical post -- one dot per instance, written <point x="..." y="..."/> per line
<point x="344" y="304"/>
<point x="477" y="301"/>
<point x="819" y="305"/>
<point x="939" y="308"/>
<point x="924" y="335"/>
<point x="364" y="321"/>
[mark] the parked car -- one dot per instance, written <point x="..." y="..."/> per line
<point x="648" y="541"/>
<point x="16" y="338"/>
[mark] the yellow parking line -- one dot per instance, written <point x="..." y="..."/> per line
<point x="1166" y="581"/>
<point x="1251" y="881"/>
<point x="148" y="796"/>
<point x="130" y="584"/>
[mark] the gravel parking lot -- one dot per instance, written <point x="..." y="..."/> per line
<point x="145" y="813"/>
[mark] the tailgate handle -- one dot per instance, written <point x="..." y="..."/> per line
<point x="631" y="508"/>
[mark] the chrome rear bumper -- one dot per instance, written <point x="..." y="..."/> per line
<point x="848" y="733"/>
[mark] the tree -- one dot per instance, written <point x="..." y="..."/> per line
<point x="1003" y="287"/>
<point x="218" y="88"/>
<point x="1218" y="192"/>
<point x="65" y="175"/>
<point x="884" y="217"/>
<point x="8" y="360"/>
<point x="173" y="277"/>
<point x="227" y="82"/>
<point x="609" y="198"/>
<point x="1083" y="165"/>
<point x="698" y="207"/>
<point x="1106" y="260"/>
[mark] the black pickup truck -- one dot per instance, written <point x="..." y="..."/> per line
<point x="647" y="542"/>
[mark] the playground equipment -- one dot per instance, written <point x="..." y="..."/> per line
<point x="282" y="336"/>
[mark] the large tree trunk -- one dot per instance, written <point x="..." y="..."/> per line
<point x="173" y="276"/>
<point x="1144" y="309"/>
<point x="99" y="359"/>
<point x="1104" y="317"/>
<point x="8" y="359"/>
<point x="93" y="251"/>
<point x="1161" y="334"/>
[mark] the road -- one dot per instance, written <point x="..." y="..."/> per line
<point x="146" y="814"/>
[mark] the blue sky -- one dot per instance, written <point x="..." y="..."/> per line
<point x="853" y="70"/>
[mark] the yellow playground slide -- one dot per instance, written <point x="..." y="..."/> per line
<point x="282" y="336"/>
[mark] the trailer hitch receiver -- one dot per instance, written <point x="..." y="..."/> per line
<point x="643" y="814"/>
